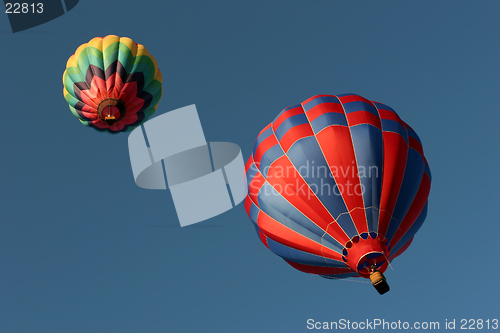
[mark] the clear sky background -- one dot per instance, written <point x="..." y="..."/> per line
<point x="83" y="249"/>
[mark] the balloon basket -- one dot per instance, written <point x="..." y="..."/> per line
<point x="379" y="282"/>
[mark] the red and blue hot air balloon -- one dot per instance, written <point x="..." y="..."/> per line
<point x="338" y="186"/>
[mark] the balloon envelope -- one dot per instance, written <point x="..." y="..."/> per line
<point x="112" y="84"/>
<point x="337" y="185"/>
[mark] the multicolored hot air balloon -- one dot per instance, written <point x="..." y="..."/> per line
<point x="338" y="186"/>
<point x="112" y="84"/>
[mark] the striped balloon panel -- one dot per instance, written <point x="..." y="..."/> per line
<point x="112" y="68"/>
<point x="330" y="169"/>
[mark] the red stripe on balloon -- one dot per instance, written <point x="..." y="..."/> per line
<point x="128" y="118"/>
<point x="265" y="129"/>
<point x="395" y="155"/>
<point x="336" y="144"/>
<point x="323" y="108"/>
<point x="135" y="104"/>
<point x="110" y="85"/>
<point x="286" y="180"/>
<point x="314" y="97"/>
<point x="414" y="211"/>
<point x="118" y="126"/>
<point x="285" y="115"/>
<point x="118" y="86"/>
<point x="416" y="145"/>
<point x="263" y="239"/>
<point x="92" y="115"/>
<point x="264" y="146"/>
<point x="286" y="236"/>
<point x="401" y="250"/>
<point x="294" y="134"/>
<point x="353" y="98"/>
<point x="98" y="123"/>
<point x="390" y="115"/>
<point x="255" y="185"/>
<point x="249" y="163"/>
<point x="89" y="99"/>
<point x="128" y="92"/>
<point x="248" y="204"/>
<point x="363" y="117"/>
<point x="98" y="87"/>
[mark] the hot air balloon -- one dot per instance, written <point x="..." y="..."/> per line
<point x="112" y="84"/>
<point x="338" y="187"/>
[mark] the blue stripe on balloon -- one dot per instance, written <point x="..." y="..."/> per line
<point x="289" y="123"/>
<point x="428" y="171"/>
<point x="286" y="109"/>
<point x="308" y="159"/>
<point x="264" y="135"/>
<point x="320" y="100"/>
<point x="254" y="213"/>
<point x="271" y="155"/>
<point x="393" y="126"/>
<point x="412" y="133"/>
<point x="360" y="106"/>
<point x="251" y="173"/>
<point x="301" y="257"/>
<point x="412" y="231"/>
<point x="381" y="106"/>
<point x="409" y="188"/>
<point x="273" y="204"/>
<point x="368" y="148"/>
<point x="328" y="119"/>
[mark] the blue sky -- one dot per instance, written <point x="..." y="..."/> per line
<point x="83" y="249"/>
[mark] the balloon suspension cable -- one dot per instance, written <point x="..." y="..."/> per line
<point x="388" y="262"/>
